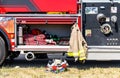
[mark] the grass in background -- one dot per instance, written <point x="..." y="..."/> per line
<point x="73" y="72"/>
<point x="36" y="69"/>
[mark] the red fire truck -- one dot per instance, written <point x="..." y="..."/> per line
<point x="37" y="27"/>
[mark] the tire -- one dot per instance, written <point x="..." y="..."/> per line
<point x="2" y="51"/>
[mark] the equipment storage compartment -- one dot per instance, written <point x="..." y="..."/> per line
<point x="40" y="34"/>
<point x="43" y="34"/>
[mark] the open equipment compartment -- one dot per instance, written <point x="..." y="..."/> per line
<point x="39" y="34"/>
<point x="43" y="34"/>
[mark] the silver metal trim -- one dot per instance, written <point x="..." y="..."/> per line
<point x="97" y="1"/>
<point x="42" y="48"/>
<point x="45" y="18"/>
<point x="39" y="15"/>
<point x="81" y="15"/>
<point x="103" y="50"/>
<point x="15" y="30"/>
<point x="104" y="47"/>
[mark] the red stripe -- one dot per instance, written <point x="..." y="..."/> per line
<point x="79" y="22"/>
<point x="12" y="44"/>
<point x="14" y="8"/>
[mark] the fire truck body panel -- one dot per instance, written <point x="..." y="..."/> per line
<point x="98" y="20"/>
<point x="37" y="6"/>
<point x="53" y="16"/>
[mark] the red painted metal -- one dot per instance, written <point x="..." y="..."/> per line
<point x="79" y="22"/>
<point x="69" y="6"/>
<point x="44" y="21"/>
<point x="56" y="5"/>
<point x="11" y="8"/>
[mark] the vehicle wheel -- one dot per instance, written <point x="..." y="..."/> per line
<point x="2" y="51"/>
